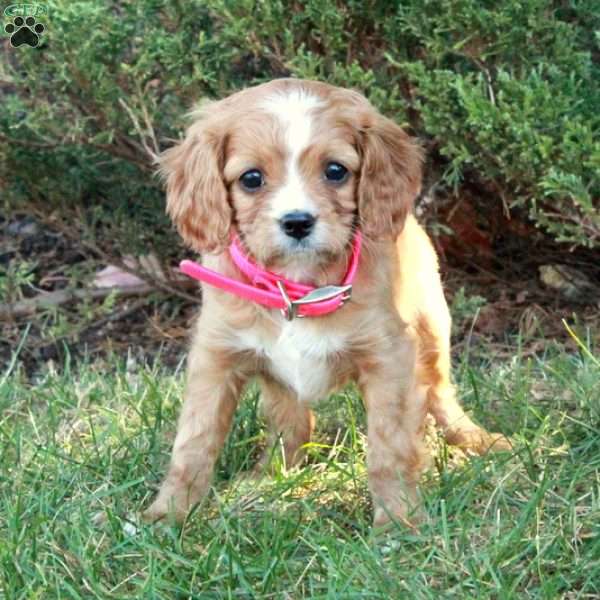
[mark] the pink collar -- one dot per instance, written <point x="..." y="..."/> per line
<point x="273" y="290"/>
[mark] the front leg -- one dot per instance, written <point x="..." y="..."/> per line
<point x="287" y="417"/>
<point x="395" y="417"/>
<point x="215" y="379"/>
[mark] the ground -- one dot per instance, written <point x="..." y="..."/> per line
<point x="89" y="394"/>
<point x="86" y="448"/>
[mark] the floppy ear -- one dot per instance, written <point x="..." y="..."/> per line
<point x="390" y="178"/>
<point x="197" y="199"/>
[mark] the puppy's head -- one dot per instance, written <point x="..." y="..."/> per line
<point x="293" y="166"/>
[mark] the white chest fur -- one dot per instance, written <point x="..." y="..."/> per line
<point x="298" y="356"/>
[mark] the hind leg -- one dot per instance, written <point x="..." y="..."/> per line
<point x="459" y="430"/>
<point x="434" y="371"/>
<point x="420" y="302"/>
<point x="287" y="419"/>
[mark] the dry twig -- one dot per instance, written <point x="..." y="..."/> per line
<point x="48" y="300"/>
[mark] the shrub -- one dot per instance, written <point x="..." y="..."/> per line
<point x="505" y="94"/>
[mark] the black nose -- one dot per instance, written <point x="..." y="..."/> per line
<point x="297" y="224"/>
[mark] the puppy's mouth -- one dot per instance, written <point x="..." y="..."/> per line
<point x="307" y="252"/>
<point x="278" y="252"/>
<point x="306" y="246"/>
<point x="283" y="253"/>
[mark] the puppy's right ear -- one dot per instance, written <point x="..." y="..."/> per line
<point x="197" y="199"/>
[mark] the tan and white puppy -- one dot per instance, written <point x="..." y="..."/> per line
<point x="294" y="167"/>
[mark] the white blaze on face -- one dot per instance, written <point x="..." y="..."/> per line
<point x="293" y="110"/>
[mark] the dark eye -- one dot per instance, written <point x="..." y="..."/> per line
<point x="335" y="172"/>
<point x="252" y="180"/>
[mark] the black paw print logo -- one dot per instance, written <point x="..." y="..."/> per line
<point x="24" y="31"/>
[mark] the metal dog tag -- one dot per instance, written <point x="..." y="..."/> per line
<point x="321" y="294"/>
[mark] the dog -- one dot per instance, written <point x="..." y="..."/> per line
<point x="299" y="186"/>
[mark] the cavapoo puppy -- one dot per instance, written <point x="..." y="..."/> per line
<point x="298" y="195"/>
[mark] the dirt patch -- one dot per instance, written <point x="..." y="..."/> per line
<point x="37" y="259"/>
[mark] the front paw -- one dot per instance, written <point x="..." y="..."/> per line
<point x="384" y="519"/>
<point x="397" y="504"/>
<point x="174" y="502"/>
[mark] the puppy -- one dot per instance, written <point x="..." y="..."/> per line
<point x="299" y="174"/>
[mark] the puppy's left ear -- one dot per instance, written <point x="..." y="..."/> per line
<point x="390" y="178"/>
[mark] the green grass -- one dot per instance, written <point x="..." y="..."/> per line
<point x="82" y="450"/>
